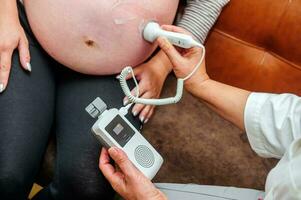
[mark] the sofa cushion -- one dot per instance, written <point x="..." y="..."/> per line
<point x="256" y="45"/>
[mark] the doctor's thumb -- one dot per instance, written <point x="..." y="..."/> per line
<point x="122" y="161"/>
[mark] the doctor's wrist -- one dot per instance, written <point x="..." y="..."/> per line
<point x="196" y="84"/>
<point x="157" y="195"/>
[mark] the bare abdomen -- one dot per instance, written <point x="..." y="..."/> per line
<point x="97" y="36"/>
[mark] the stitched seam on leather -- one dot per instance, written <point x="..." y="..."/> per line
<point x="285" y="60"/>
<point x="258" y="48"/>
<point x="238" y="40"/>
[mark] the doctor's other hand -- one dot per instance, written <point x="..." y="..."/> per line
<point x="151" y="77"/>
<point x="12" y="36"/>
<point x="184" y="60"/>
<point x="125" y="178"/>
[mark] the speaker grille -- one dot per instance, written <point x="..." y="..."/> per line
<point x="144" y="156"/>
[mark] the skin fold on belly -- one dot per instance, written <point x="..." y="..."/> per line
<point x="97" y="36"/>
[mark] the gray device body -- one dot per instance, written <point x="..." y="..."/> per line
<point x="112" y="129"/>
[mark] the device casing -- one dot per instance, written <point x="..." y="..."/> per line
<point x="138" y="149"/>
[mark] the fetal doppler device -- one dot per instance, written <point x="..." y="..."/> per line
<point x="113" y="129"/>
<point x="151" y="32"/>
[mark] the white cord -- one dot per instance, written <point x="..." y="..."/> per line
<point x="199" y="63"/>
<point x="124" y="110"/>
<point x="180" y="85"/>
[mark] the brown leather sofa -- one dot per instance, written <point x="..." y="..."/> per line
<point x="254" y="45"/>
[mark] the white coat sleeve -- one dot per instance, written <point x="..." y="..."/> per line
<point x="272" y="122"/>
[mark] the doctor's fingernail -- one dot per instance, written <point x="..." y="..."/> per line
<point x="1" y="87"/>
<point x="28" y="66"/>
<point x="113" y="150"/>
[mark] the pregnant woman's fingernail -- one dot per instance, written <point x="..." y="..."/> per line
<point x="1" y="87"/>
<point x="117" y="77"/>
<point x="125" y="102"/>
<point x="142" y="119"/>
<point x="146" y="121"/>
<point x="28" y="66"/>
<point x="134" y="113"/>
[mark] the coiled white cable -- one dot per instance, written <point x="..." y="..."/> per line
<point x="151" y="32"/>
<point x="171" y="100"/>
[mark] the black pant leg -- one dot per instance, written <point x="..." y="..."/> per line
<point x="77" y="175"/>
<point x="26" y="115"/>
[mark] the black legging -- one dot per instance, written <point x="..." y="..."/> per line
<point x="32" y="104"/>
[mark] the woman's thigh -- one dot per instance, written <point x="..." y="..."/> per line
<point x="77" y="175"/>
<point x="26" y="115"/>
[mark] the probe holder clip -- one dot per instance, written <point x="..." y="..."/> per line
<point x="96" y="108"/>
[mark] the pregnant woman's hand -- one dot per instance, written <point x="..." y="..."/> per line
<point x="151" y="76"/>
<point x="12" y="36"/>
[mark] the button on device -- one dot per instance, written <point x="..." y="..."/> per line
<point x="96" y="108"/>
<point x="144" y="156"/>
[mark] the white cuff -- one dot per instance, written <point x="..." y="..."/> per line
<point x="252" y="114"/>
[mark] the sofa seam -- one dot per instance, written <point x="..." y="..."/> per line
<point x="218" y="31"/>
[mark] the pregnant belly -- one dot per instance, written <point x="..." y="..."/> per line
<point x="97" y="36"/>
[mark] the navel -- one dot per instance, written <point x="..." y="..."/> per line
<point x="89" y="43"/>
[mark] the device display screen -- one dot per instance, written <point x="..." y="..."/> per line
<point x="120" y="130"/>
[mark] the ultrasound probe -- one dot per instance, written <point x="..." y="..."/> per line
<point x="150" y="33"/>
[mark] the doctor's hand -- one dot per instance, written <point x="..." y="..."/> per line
<point x="184" y="60"/>
<point x="125" y="178"/>
<point x="151" y="76"/>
